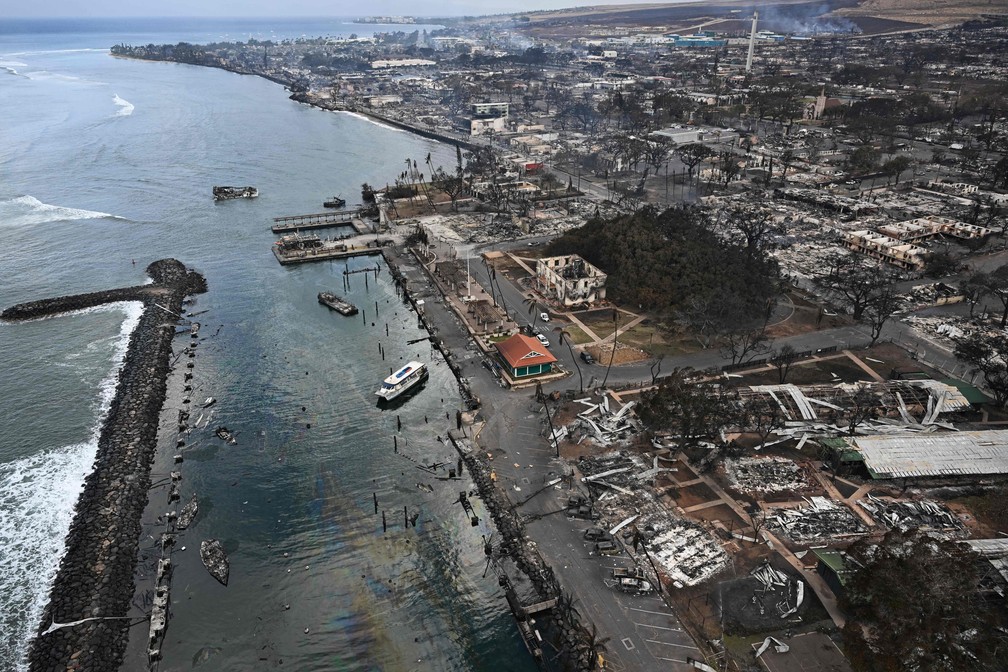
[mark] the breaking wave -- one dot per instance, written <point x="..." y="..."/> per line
<point x="12" y="66"/>
<point x="38" y="495"/>
<point x="372" y="121"/>
<point x="125" y="107"/>
<point x="29" y="211"/>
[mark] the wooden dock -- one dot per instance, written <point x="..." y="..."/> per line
<point x="320" y="220"/>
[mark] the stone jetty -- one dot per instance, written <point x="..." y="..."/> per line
<point x="84" y="625"/>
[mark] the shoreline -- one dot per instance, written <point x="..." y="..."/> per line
<point x="306" y="98"/>
<point x="93" y="587"/>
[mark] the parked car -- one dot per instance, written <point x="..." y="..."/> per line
<point x="542" y="339"/>
<point x="587" y="358"/>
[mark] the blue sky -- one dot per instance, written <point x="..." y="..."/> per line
<point x="279" y="8"/>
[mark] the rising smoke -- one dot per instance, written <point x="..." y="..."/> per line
<point x="803" y="19"/>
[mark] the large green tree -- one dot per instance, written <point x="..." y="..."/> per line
<point x="915" y="606"/>
<point x="671" y="260"/>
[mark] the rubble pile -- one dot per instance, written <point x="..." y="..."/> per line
<point x="687" y="553"/>
<point x="601" y="423"/>
<point x="906" y="515"/>
<point x="899" y="405"/>
<point x="821" y="519"/>
<point x="936" y="293"/>
<point x="614" y="475"/>
<point x="765" y="474"/>
<point x="777" y="588"/>
<point x="945" y="329"/>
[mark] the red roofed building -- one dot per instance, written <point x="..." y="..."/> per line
<point x="525" y="356"/>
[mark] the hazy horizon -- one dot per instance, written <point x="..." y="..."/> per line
<point x="52" y="9"/>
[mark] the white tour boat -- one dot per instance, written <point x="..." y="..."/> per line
<point x="412" y="374"/>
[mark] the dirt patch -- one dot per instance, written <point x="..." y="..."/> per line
<point x="988" y="512"/>
<point x="658" y="339"/>
<point x="599" y="321"/>
<point x="720" y="512"/>
<point x="813" y="372"/>
<point x="624" y="353"/>
<point x="890" y="361"/>
<point x="577" y="335"/>
<point x="510" y="268"/>
<point x="801" y="316"/>
<point x="692" y="495"/>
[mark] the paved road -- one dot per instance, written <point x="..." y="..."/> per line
<point x="643" y="632"/>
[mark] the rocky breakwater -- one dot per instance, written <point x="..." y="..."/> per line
<point x="84" y="625"/>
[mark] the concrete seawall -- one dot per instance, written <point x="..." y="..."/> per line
<point x="94" y="584"/>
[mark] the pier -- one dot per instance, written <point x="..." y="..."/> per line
<point x="320" y="220"/>
<point x="299" y="248"/>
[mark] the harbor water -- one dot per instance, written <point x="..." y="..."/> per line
<point x="107" y="164"/>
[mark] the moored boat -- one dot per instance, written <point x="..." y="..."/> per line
<point x="337" y="303"/>
<point x="402" y="380"/>
<point x="334" y="202"/>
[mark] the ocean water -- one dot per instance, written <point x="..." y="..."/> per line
<point x="107" y="164"/>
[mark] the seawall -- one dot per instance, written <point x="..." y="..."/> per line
<point x="94" y="584"/>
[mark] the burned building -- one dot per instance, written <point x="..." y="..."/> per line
<point x="570" y="280"/>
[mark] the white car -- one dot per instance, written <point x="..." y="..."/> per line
<point x="542" y="339"/>
<point x="544" y="317"/>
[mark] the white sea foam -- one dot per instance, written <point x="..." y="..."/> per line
<point x="373" y="121"/>
<point x="11" y="67"/>
<point x="125" y="107"/>
<point x="38" y="495"/>
<point x="29" y="211"/>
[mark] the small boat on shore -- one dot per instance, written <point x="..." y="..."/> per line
<point x="337" y="303"/>
<point x="215" y="560"/>
<point x="227" y="193"/>
<point x="334" y="202"/>
<point x="402" y="380"/>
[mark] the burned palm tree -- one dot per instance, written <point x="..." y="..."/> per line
<point x="612" y="355"/>
<point x="562" y="332"/>
<point x="541" y="397"/>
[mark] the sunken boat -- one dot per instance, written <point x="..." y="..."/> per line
<point x="215" y="560"/>
<point x="334" y="202"/>
<point x="227" y="193"/>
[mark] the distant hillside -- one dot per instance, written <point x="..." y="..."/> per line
<point x="870" y="16"/>
<point x="928" y="12"/>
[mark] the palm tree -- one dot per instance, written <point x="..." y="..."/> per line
<point x="612" y="355"/>
<point x="595" y="644"/>
<point x="562" y="333"/>
<point x="493" y="292"/>
<point x="533" y="309"/>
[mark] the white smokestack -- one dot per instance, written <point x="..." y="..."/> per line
<point x="752" y="42"/>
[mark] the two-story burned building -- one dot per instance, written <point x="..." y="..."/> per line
<point x="570" y="280"/>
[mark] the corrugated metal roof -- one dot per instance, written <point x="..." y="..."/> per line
<point x="949" y="454"/>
